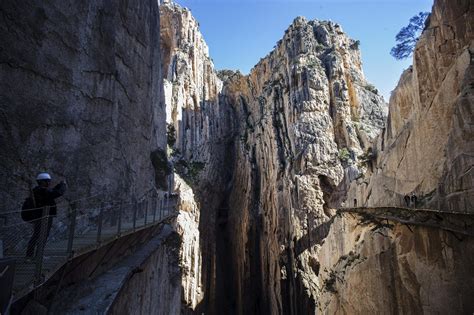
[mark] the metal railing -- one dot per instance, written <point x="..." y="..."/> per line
<point x="41" y="246"/>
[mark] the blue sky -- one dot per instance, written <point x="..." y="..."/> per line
<point x="240" y="32"/>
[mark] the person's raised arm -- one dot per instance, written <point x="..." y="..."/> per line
<point x="59" y="190"/>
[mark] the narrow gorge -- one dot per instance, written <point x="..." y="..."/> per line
<point x="288" y="182"/>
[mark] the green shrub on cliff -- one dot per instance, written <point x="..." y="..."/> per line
<point x="344" y="155"/>
<point x="170" y="135"/>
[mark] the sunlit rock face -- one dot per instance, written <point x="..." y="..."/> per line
<point x="427" y="147"/>
<point x="272" y="148"/>
<point x="306" y="115"/>
<point x="289" y="140"/>
<point x="80" y="87"/>
<point x="200" y="136"/>
<point x="191" y="85"/>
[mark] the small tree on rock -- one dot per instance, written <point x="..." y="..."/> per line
<point x="408" y="36"/>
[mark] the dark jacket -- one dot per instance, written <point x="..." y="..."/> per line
<point x="45" y="197"/>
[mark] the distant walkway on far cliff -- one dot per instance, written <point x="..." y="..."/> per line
<point x="461" y="224"/>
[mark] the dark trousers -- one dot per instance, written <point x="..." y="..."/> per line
<point x="35" y="240"/>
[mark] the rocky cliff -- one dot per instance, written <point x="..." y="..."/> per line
<point x="292" y="137"/>
<point x="306" y="115"/>
<point x="80" y="90"/>
<point x="427" y="147"/>
<point x="394" y="261"/>
<point x="264" y="153"/>
<point x="123" y="95"/>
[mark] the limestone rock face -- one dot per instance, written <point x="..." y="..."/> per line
<point x="80" y="87"/>
<point x="190" y="256"/>
<point x="191" y="86"/>
<point x="200" y="137"/>
<point x="264" y="154"/>
<point x="305" y="115"/>
<point x="427" y="147"/>
<point x="371" y="265"/>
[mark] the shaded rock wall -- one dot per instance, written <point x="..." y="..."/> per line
<point x="80" y="88"/>
<point x="137" y="272"/>
<point x="201" y="155"/>
<point x="153" y="287"/>
<point x="374" y="265"/>
<point x="427" y="147"/>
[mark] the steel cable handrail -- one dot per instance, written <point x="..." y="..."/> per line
<point x="78" y="230"/>
<point x="68" y="202"/>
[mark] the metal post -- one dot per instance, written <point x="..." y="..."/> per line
<point x="161" y="208"/>
<point x="135" y="215"/>
<point x="153" y="204"/>
<point x="40" y="247"/>
<point x="72" y="227"/>
<point x="99" y="223"/>
<point x="119" y="223"/>
<point x="146" y="211"/>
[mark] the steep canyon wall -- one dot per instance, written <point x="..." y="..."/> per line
<point x="427" y="147"/>
<point x="293" y="136"/>
<point x="80" y="97"/>
<point x="258" y="163"/>
<point x="264" y="153"/>
<point x="306" y="115"/>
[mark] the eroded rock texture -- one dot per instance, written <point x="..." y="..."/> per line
<point x="260" y="161"/>
<point x="80" y="88"/>
<point x="306" y="114"/>
<point x="427" y="147"/>
<point x="289" y="139"/>
<point x="375" y="265"/>
<point x="200" y="146"/>
<point x="263" y="154"/>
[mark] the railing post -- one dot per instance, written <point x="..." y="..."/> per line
<point x="72" y="228"/>
<point x="146" y="211"/>
<point x="40" y="246"/>
<point x="135" y="215"/>
<point x="119" y="223"/>
<point x="99" y="222"/>
<point x="154" y="204"/>
<point x="161" y="208"/>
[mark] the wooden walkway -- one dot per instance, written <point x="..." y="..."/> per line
<point x="461" y="224"/>
<point x="456" y="222"/>
<point x="55" y="251"/>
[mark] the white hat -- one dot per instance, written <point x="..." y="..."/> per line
<point x="43" y="176"/>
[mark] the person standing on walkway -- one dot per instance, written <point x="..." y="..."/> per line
<point x="413" y="200"/>
<point x="407" y="201"/>
<point x="43" y="196"/>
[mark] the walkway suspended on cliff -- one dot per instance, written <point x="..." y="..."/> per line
<point x="89" y="224"/>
